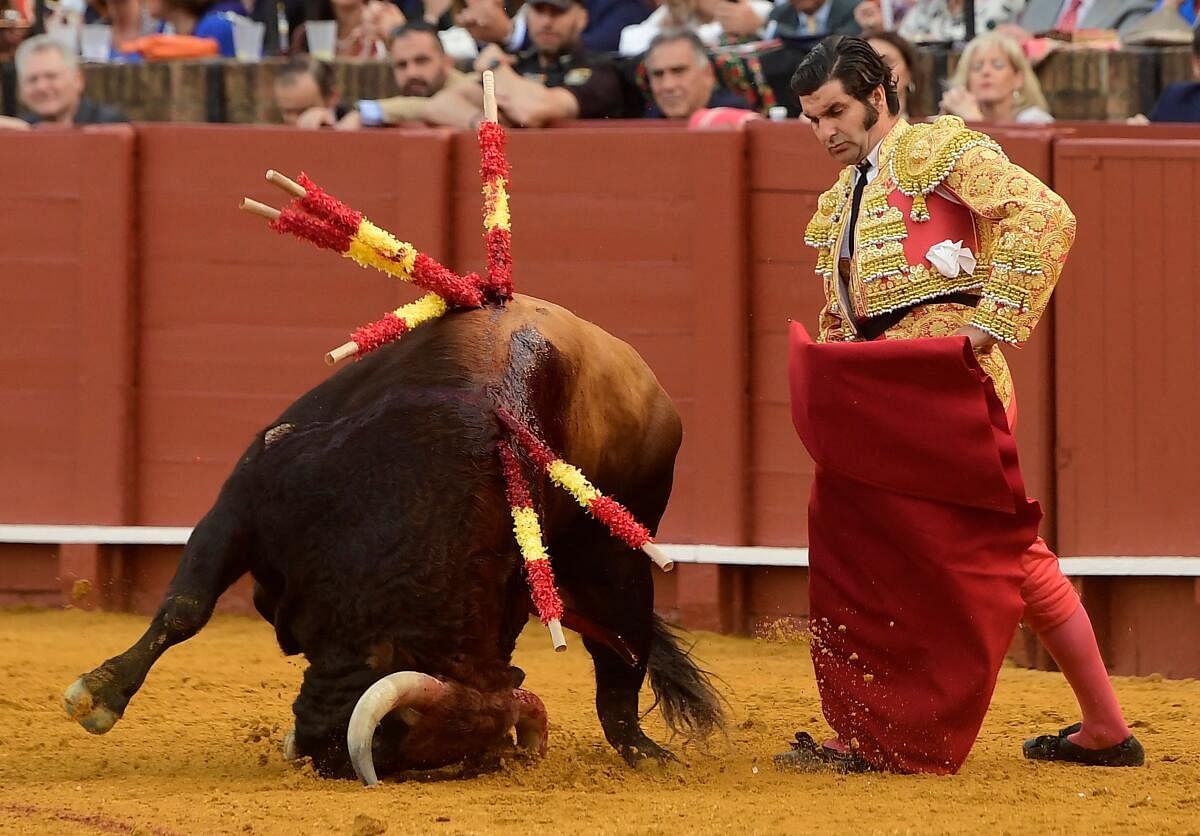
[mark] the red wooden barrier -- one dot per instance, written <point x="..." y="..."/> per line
<point x="688" y="245"/>
<point x="1128" y="359"/>
<point x="67" y="257"/>
<point x="234" y="325"/>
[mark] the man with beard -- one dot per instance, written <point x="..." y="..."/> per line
<point x="556" y="80"/>
<point x="916" y="587"/>
<point x="421" y="68"/>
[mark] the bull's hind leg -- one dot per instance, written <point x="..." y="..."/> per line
<point x="215" y="556"/>
<point x="610" y="585"/>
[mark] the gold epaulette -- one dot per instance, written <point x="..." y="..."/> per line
<point x="926" y="154"/>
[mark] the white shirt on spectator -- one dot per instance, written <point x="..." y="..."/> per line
<point x="636" y="39"/>
<point x="932" y="21"/>
<point x="1033" y="115"/>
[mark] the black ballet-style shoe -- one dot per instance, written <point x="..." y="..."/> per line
<point x="1056" y="747"/>
<point x="806" y="755"/>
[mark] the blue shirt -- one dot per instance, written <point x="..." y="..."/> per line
<point x="1180" y="102"/>
<point x="1187" y="9"/>
<point x="218" y="25"/>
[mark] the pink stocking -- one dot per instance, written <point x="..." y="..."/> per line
<point x="1073" y="646"/>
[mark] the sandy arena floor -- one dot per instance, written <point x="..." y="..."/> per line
<point x="199" y="752"/>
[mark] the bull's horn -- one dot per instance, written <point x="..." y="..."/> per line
<point x="407" y="691"/>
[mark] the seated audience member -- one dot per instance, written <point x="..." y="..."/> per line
<point x="558" y="79"/>
<point x="356" y="38"/>
<point x="682" y="80"/>
<point x="129" y="21"/>
<point x="437" y="13"/>
<point x="716" y="22"/>
<point x="306" y="95"/>
<point x="812" y="19"/>
<point x="489" y="22"/>
<point x="15" y="26"/>
<point x="1179" y="102"/>
<point x="1185" y="8"/>
<point x="901" y="57"/>
<point x="995" y="83"/>
<point x="421" y="68"/>
<point x="937" y="21"/>
<point x="212" y="19"/>
<point x="50" y="86"/>
<point x="1070" y="15"/>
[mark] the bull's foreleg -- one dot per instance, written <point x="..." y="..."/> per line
<point x="215" y="556"/>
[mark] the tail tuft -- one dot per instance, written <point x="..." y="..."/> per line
<point x="690" y="704"/>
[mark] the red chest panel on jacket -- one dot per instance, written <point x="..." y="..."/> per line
<point x="948" y="221"/>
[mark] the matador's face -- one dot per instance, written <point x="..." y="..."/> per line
<point x="842" y="123"/>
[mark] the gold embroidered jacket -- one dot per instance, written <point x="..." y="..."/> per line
<point x="942" y="182"/>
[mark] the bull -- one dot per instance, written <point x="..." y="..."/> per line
<point x="372" y="518"/>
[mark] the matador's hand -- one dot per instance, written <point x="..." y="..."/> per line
<point x="981" y="340"/>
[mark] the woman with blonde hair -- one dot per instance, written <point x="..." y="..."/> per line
<point x="994" y="82"/>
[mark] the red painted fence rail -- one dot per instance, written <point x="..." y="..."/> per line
<point x="151" y="329"/>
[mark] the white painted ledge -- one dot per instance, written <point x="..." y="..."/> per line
<point x="1131" y="566"/>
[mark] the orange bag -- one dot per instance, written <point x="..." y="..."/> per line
<point x="167" y="47"/>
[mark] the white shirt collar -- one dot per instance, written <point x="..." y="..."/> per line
<point x="873" y="158"/>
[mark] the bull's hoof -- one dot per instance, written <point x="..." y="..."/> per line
<point x="645" y="752"/>
<point x="88" y="711"/>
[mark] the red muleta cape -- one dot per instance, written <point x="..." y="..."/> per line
<point x="917" y="523"/>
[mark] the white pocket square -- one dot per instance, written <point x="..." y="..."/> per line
<point x="951" y="258"/>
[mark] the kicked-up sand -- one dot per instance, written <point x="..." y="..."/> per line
<point x="200" y="751"/>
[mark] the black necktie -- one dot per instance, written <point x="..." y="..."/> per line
<point x="856" y="201"/>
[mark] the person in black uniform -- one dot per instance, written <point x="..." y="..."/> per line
<point x="556" y="80"/>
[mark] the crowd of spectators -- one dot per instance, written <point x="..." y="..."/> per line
<point x="559" y="60"/>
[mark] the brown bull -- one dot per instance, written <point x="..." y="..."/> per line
<point x="373" y="519"/>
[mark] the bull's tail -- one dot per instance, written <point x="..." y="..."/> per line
<point x="690" y="703"/>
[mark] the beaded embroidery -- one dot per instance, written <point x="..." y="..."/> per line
<point x="1023" y="229"/>
<point x="926" y="154"/>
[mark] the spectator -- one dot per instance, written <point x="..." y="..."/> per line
<point x="813" y="19"/>
<point x="305" y="94"/>
<point x="212" y="19"/>
<point x="489" y="22"/>
<point x="51" y="88"/>
<point x="356" y="38"/>
<point x="715" y="21"/>
<point x="421" y="68"/>
<point x="682" y="80"/>
<point x="995" y="83"/>
<point x="901" y="58"/>
<point x="556" y="80"/>
<point x="1069" y="15"/>
<point x="15" y="23"/>
<point x="437" y="13"/>
<point x="129" y="21"/>
<point x="1179" y="102"/>
<point x="940" y="21"/>
<point x="1185" y="8"/>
